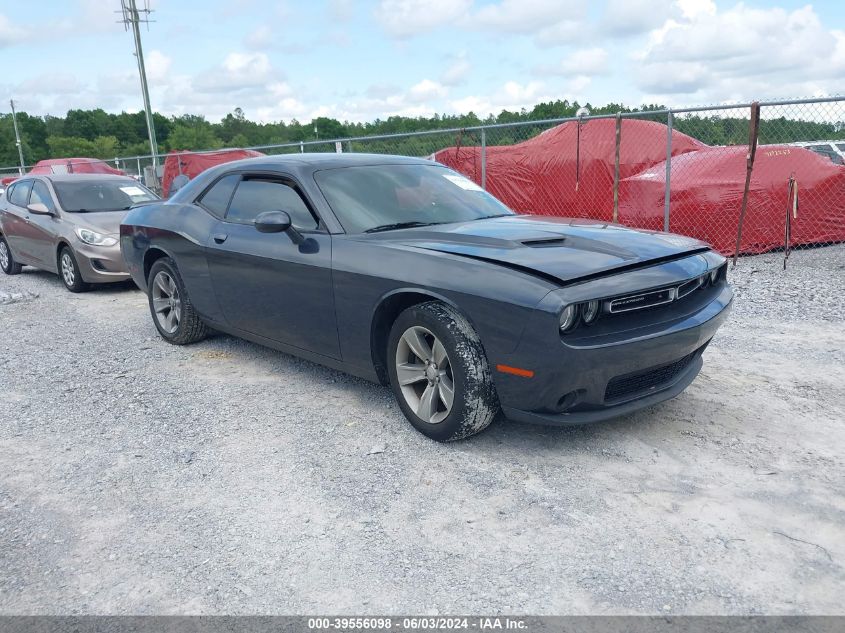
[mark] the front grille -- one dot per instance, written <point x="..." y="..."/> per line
<point x="641" y="382"/>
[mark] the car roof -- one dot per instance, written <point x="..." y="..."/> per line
<point x="328" y="160"/>
<point x="81" y="177"/>
<point x="302" y="165"/>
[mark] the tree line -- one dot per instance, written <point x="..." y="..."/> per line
<point x="100" y="134"/>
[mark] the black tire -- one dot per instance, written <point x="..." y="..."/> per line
<point x="189" y="327"/>
<point x="73" y="279"/>
<point x="474" y="399"/>
<point x="11" y="267"/>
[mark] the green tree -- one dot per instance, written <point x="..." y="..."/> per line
<point x="196" y="134"/>
<point x="69" y="147"/>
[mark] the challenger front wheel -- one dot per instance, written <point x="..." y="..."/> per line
<point x="439" y="373"/>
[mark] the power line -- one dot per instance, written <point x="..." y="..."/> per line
<point x="132" y="18"/>
<point x="17" y="136"/>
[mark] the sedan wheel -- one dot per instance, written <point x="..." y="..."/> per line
<point x="439" y="373"/>
<point x="7" y="262"/>
<point x="69" y="272"/>
<point x="166" y="302"/>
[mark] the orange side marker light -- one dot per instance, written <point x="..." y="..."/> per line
<point x="516" y="371"/>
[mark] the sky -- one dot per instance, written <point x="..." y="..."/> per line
<point x="358" y="60"/>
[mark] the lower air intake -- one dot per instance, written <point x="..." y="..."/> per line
<point x="641" y="382"/>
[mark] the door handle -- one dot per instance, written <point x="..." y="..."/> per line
<point x="219" y="237"/>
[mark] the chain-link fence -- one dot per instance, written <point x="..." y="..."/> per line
<point x="683" y="170"/>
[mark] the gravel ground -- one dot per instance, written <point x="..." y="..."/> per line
<point x="137" y="477"/>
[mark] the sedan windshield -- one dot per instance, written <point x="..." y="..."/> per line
<point x="101" y="195"/>
<point x="387" y="197"/>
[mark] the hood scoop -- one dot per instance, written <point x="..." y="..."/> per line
<point x="544" y="242"/>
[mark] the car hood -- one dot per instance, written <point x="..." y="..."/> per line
<point x="105" y="222"/>
<point x="560" y="249"/>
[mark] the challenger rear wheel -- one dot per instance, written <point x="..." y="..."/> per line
<point x="439" y="373"/>
<point x="173" y="314"/>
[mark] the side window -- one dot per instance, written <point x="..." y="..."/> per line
<point x="840" y="147"/>
<point x="41" y="194"/>
<point x="253" y="197"/>
<point x="217" y="198"/>
<point x="20" y="193"/>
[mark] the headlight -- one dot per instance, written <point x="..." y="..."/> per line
<point x="591" y="311"/>
<point x="714" y="275"/>
<point x="95" y="239"/>
<point x="568" y="317"/>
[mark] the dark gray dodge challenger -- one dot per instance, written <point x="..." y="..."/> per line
<point x="402" y="271"/>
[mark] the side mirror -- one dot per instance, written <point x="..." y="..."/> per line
<point x="39" y="208"/>
<point x="277" y="222"/>
<point x="272" y="222"/>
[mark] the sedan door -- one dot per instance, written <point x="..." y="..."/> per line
<point x="16" y="225"/>
<point x="265" y="284"/>
<point x="43" y="229"/>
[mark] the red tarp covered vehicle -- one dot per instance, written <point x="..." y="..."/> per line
<point x="69" y="166"/>
<point x="539" y="175"/>
<point x="191" y="164"/>
<point x="706" y="196"/>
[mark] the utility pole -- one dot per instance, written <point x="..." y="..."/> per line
<point x="132" y="18"/>
<point x="17" y="136"/>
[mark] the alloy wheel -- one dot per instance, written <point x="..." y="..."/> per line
<point x="425" y="374"/>
<point x="68" y="269"/>
<point x="167" y="303"/>
<point x="4" y="255"/>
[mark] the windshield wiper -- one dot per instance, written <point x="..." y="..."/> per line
<point x="399" y="225"/>
<point x="500" y="215"/>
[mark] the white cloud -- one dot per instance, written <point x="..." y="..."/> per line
<point x="562" y="33"/>
<point x="527" y="16"/>
<point x="157" y="65"/>
<point x="238" y="71"/>
<point x="623" y="18"/>
<point x="11" y="33"/>
<point x="341" y="10"/>
<point x="259" y="38"/>
<point x="512" y="95"/>
<point x="426" y="90"/>
<point x="457" y="70"/>
<point x="741" y="53"/>
<point x="406" y="18"/>
<point x="584" y="62"/>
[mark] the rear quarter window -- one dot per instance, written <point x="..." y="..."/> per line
<point x="20" y="193"/>
<point x="216" y="199"/>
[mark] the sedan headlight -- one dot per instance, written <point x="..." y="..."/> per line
<point x="568" y="317"/>
<point x="95" y="239"/>
<point x="714" y="275"/>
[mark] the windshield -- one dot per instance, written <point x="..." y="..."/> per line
<point x="385" y="197"/>
<point x="101" y="195"/>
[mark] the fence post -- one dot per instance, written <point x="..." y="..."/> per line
<point x="483" y="159"/>
<point x="616" y="168"/>
<point x="670" y="120"/>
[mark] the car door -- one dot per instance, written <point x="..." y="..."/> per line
<point x="264" y="283"/>
<point x="16" y="226"/>
<point x="43" y="229"/>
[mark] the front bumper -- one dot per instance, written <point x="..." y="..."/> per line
<point x="100" y="264"/>
<point x="597" y="380"/>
